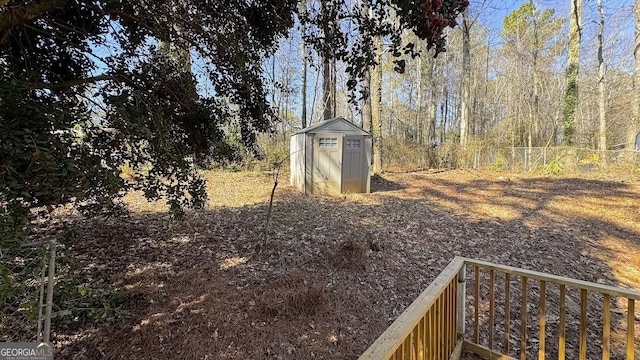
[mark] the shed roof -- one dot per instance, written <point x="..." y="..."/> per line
<point x="337" y="124"/>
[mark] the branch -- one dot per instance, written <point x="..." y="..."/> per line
<point x="273" y="191"/>
<point x="124" y="15"/>
<point x="72" y="82"/>
<point x="19" y="14"/>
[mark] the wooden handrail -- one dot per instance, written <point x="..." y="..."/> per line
<point x="584" y="288"/>
<point x="386" y="345"/>
<point x="579" y="284"/>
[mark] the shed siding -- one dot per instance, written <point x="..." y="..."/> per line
<point x="325" y="161"/>
<point x="308" y="164"/>
<point x="352" y="161"/>
<point x="297" y="161"/>
<point x="367" y="161"/>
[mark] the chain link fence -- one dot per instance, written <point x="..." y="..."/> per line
<point x="26" y="291"/>
<point x="476" y="155"/>
<point x="43" y="282"/>
<point x="562" y="159"/>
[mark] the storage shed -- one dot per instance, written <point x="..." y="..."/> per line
<point x="331" y="157"/>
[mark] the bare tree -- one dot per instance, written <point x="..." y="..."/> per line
<point x="366" y="80"/>
<point x="466" y="79"/>
<point x="303" y="48"/>
<point x="602" y="143"/>
<point x="534" y="112"/>
<point x="419" y="115"/>
<point x="376" y="106"/>
<point x="327" y="78"/>
<point x="632" y="127"/>
<point x="433" y="101"/>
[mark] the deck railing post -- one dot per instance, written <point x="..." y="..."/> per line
<point x="461" y="296"/>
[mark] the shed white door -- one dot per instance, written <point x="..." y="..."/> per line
<point x="352" y="164"/>
<point x="327" y="163"/>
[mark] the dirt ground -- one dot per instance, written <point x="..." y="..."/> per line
<point x="334" y="272"/>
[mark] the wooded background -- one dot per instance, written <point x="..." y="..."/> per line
<point x="515" y="79"/>
<point x="98" y="98"/>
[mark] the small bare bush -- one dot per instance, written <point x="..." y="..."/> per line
<point x="293" y="295"/>
<point x="349" y="255"/>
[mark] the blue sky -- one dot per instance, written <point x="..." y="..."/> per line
<point x="618" y="13"/>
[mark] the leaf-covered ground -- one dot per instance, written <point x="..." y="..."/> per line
<point x="334" y="272"/>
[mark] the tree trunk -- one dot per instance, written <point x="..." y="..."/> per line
<point x="273" y="84"/>
<point x="334" y="87"/>
<point x="303" y="48"/>
<point x="419" y="130"/>
<point x="366" y="81"/>
<point x="634" y="121"/>
<point x="326" y="88"/>
<point x="366" y="101"/>
<point x="466" y="80"/>
<point x="303" y="102"/>
<point x="376" y="106"/>
<point x="327" y="85"/>
<point x="486" y="112"/>
<point x="444" y="109"/>
<point x="534" y="114"/>
<point x="570" y="102"/>
<point x="602" y="144"/>
<point x="433" y="102"/>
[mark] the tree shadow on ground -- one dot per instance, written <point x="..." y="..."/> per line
<point x="214" y="285"/>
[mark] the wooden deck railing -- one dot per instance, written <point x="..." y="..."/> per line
<point x="429" y="328"/>
<point x="433" y="326"/>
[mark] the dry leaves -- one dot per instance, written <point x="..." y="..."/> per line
<point x="214" y="287"/>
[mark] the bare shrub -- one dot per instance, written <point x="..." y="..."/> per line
<point x="292" y="296"/>
<point x="349" y="255"/>
<point x="398" y="154"/>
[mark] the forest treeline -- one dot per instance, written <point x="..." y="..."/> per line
<point x="536" y="77"/>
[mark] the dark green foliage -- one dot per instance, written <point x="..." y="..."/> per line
<point x="85" y="90"/>
<point x="569" y="106"/>
<point x="91" y="302"/>
<point x="20" y="286"/>
<point x="21" y="278"/>
<point x="325" y="33"/>
<point x="527" y="23"/>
